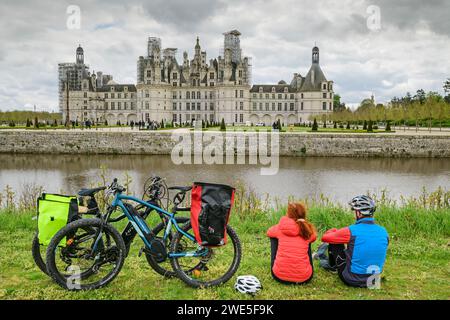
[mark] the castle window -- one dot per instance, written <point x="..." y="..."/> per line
<point x="260" y="89"/>
<point x="188" y="106"/>
<point x="119" y="95"/>
<point x="198" y="105"/>
<point x="254" y="105"/>
<point x="241" y="105"/>
<point x="211" y="84"/>
<point x="280" y="96"/>
<point x="175" y="84"/>
<point x="324" y="105"/>
<point x="273" y="106"/>
<point x="273" y="89"/>
<point x="324" y="95"/>
<point x="211" y="75"/>
<point x="291" y="107"/>
<point x="280" y="106"/>
<point x="240" y="73"/>
<point x="267" y="106"/>
<point x="324" y="86"/>
<point x="149" y="73"/>
<point x="174" y="106"/>
<point x="175" y="76"/>
<point x="112" y="95"/>
<point x="285" y="89"/>
<point x="267" y="96"/>
<point x="241" y="93"/>
<point x="188" y="95"/>
<point x="301" y="105"/>
<point x="292" y="96"/>
<point x="302" y="95"/>
<point x="254" y="96"/>
<point x="198" y="95"/>
<point x="106" y="95"/>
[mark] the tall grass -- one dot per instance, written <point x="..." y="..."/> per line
<point x="427" y="215"/>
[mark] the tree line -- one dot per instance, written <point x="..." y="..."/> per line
<point x="423" y="109"/>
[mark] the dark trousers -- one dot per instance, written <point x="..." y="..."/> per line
<point x="273" y="254"/>
<point x="338" y="259"/>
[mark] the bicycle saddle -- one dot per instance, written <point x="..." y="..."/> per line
<point x="182" y="189"/>
<point x="90" y="192"/>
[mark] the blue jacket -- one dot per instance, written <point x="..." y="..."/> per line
<point x="366" y="250"/>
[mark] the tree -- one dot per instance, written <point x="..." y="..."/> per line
<point x="420" y="96"/>
<point x="279" y="124"/>
<point x="348" y="125"/>
<point x="337" y="104"/>
<point x="369" y="127"/>
<point x="388" y="125"/>
<point x="315" y="127"/>
<point x="365" y="125"/>
<point x="36" y="122"/>
<point x="222" y="125"/>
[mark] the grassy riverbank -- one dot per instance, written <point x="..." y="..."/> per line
<point x="417" y="266"/>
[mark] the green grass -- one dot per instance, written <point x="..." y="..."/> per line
<point x="417" y="265"/>
<point x="293" y="129"/>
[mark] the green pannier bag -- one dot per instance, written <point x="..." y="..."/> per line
<point x="54" y="212"/>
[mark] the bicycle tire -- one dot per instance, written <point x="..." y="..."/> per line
<point x="84" y="223"/>
<point x="36" y="253"/>
<point x="232" y="236"/>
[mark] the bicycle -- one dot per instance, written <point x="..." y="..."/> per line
<point x="99" y="245"/>
<point x="128" y="234"/>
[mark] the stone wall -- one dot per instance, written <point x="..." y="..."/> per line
<point x="291" y="144"/>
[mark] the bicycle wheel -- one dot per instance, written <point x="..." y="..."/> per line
<point x="38" y="251"/>
<point x="77" y="265"/>
<point x="163" y="268"/>
<point x="217" y="266"/>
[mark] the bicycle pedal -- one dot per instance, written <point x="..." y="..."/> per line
<point x="141" y="251"/>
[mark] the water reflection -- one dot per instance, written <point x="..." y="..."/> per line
<point x="338" y="178"/>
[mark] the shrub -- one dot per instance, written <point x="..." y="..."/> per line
<point x="388" y="126"/>
<point x="222" y="125"/>
<point x="365" y="125"/>
<point x="315" y="126"/>
<point x="369" y="127"/>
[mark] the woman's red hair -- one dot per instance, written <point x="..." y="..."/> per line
<point x="297" y="211"/>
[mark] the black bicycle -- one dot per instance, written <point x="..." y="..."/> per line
<point x="154" y="190"/>
<point x="89" y="253"/>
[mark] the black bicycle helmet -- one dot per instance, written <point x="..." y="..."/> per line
<point x="364" y="204"/>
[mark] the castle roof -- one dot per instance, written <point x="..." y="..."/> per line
<point x="117" y="88"/>
<point x="313" y="79"/>
<point x="267" y="88"/>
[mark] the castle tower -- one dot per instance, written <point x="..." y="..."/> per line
<point x="315" y="55"/>
<point x="79" y="55"/>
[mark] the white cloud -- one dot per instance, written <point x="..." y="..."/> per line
<point x="409" y="52"/>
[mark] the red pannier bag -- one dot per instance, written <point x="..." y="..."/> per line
<point x="210" y="210"/>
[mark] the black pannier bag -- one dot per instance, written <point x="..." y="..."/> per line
<point x="210" y="210"/>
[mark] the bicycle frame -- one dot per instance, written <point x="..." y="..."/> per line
<point x="144" y="231"/>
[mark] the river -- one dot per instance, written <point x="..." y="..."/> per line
<point x="337" y="178"/>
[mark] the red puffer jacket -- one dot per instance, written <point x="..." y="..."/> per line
<point x="292" y="261"/>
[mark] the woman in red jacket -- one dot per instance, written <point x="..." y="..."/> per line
<point x="291" y="242"/>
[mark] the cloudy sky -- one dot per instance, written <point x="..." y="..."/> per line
<point x="407" y="48"/>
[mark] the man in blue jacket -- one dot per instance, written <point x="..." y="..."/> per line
<point x="358" y="252"/>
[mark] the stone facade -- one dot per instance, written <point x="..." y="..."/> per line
<point x="196" y="89"/>
<point x="160" y="142"/>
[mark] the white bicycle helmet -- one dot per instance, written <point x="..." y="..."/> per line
<point x="248" y="284"/>
<point x="363" y="204"/>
